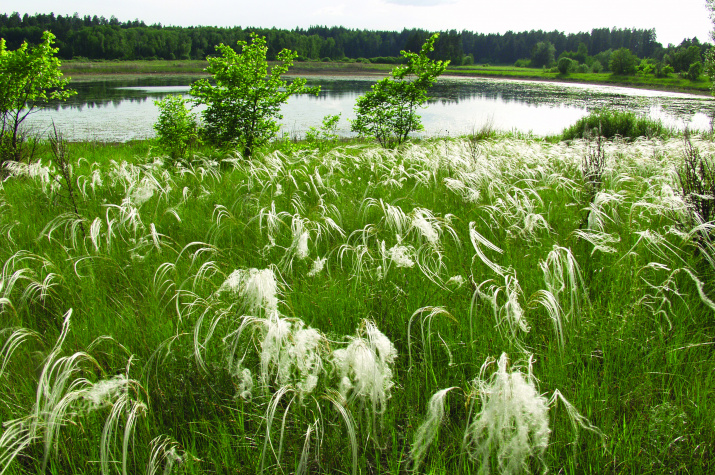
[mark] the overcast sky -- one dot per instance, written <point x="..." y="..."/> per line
<point x="673" y="20"/>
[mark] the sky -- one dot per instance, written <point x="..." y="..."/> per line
<point x="673" y="20"/>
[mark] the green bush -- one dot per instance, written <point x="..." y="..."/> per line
<point x="662" y="70"/>
<point x="243" y="99"/>
<point x="566" y="65"/>
<point x="694" y="71"/>
<point x="543" y="54"/>
<point x="388" y="60"/>
<point x="388" y="112"/>
<point x="176" y="128"/>
<point x="614" y="123"/>
<point x="623" y="62"/>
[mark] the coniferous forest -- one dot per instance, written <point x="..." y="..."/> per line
<point x="96" y="38"/>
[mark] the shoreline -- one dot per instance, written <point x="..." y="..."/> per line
<point x="632" y="85"/>
<point x="88" y="71"/>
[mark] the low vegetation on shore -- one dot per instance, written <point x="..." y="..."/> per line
<point x="86" y="70"/>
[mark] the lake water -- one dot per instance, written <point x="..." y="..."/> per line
<point x="123" y="109"/>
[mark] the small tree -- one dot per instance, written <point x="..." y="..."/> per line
<point x="566" y="65"/>
<point x="244" y="104"/>
<point x="176" y="129"/>
<point x="694" y="71"/>
<point x="623" y="62"/>
<point x="543" y="54"/>
<point x="389" y="111"/>
<point x="30" y="77"/>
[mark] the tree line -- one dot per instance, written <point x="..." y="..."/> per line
<point x="99" y="38"/>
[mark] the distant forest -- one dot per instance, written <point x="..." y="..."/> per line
<point x="109" y="39"/>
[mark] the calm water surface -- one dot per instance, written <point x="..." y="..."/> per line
<point x="121" y="110"/>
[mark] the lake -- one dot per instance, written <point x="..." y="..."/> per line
<point x="118" y="110"/>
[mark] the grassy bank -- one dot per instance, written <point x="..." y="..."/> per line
<point x="350" y="311"/>
<point x="671" y="83"/>
<point x="89" y="69"/>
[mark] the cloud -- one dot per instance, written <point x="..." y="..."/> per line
<point x="421" y="3"/>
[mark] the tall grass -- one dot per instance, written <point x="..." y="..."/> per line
<point x="611" y="123"/>
<point x="344" y="310"/>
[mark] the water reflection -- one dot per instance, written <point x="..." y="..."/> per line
<point x="123" y="109"/>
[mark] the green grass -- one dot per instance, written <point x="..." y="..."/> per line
<point x="634" y="356"/>
<point x="84" y="70"/>
<point x="609" y="124"/>
<point x="670" y="83"/>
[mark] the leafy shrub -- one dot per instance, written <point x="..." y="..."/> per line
<point x="596" y="67"/>
<point x="326" y="134"/>
<point x="694" y="71"/>
<point x="389" y="111"/>
<point x="388" y="60"/>
<point x="566" y="65"/>
<point x="176" y="129"/>
<point x="30" y="77"/>
<point x="522" y="63"/>
<point x="614" y="123"/>
<point x="663" y="70"/>
<point x="543" y="54"/>
<point x="623" y="62"/>
<point x="244" y="104"/>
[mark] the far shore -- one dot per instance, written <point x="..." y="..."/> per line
<point x="81" y="71"/>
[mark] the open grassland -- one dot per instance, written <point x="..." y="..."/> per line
<point x="456" y="306"/>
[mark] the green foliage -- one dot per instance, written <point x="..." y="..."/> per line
<point x="684" y="57"/>
<point x="326" y="135"/>
<point x="604" y="58"/>
<point x="244" y="104"/>
<point x="522" y="63"/>
<point x="388" y="60"/>
<point x="645" y="67"/>
<point x="709" y="65"/>
<point x="543" y="54"/>
<point x="623" y="62"/>
<point x="694" y="71"/>
<point x="614" y="123"/>
<point x="580" y="56"/>
<point x="662" y="70"/>
<point x="566" y="65"/>
<point x="696" y="175"/>
<point x="176" y="128"/>
<point x="596" y="67"/>
<point x="389" y="111"/>
<point x="29" y="78"/>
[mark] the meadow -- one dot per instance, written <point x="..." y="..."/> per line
<point x="82" y="70"/>
<point x="491" y="304"/>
